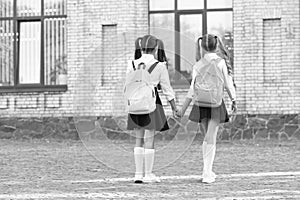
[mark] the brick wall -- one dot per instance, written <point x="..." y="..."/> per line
<point x="105" y="41"/>
<point x="267" y="56"/>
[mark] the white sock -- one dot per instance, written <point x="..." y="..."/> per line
<point x="210" y="156"/>
<point x="149" y="160"/>
<point x="204" y="157"/>
<point x="139" y="160"/>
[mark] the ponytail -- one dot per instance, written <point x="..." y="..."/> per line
<point x="222" y="48"/>
<point x="138" y="50"/>
<point x="198" y="50"/>
<point x="161" y="55"/>
<point x="223" y="53"/>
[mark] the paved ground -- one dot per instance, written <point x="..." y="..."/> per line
<point x="73" y="170"/>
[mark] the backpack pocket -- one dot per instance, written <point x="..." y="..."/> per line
<point x="142" y="99"/>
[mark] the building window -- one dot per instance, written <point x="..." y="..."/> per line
<point x="30" y="52"/>
<point x="180" y="22"/>
<point x="33" y="43"/>
<point x="272" y="51"/>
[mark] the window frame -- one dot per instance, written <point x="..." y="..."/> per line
<point x="39" y="87"/>
<point x="177" y="13"/>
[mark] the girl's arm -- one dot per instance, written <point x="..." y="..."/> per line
<point x="190" y="94"/>
<point x="176" y="112"/>
<point x="166" y="87"/>
<point x="129" y="66"/>
<point x="229" y="85"/>
<point x="185" y="105"/>
<point x="228" y="81"/>
<point x="173" y="104"/>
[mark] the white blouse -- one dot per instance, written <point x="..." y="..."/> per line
<point x="228" y="81"/>
<point x="160" y="74"/>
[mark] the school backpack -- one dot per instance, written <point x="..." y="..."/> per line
<point x="209" y="84"/>
<point x="139" y="91"/>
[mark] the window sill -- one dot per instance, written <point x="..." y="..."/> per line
<point x="32" y="88"/>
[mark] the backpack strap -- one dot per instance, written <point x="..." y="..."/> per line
<point x="218" y="60"/>
<point x="134" y="68"/>
<point x="150" y="70"/>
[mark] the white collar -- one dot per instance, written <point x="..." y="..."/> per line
<point x="147" y="57"/>
<point x="211" y="56"/>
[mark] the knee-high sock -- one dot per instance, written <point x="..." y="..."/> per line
<point x="205" y="167"/>
<point x="204" y="155"/>
<point x="139" y="160"/>
<point x="149" y="160"/>
<point x="210" y="157"/>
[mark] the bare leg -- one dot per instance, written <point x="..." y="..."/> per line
<point x="139" y="137"/>
<point x="149" y="139"/>
<point x="204" y="123"/>
<point x="212" y="132"/>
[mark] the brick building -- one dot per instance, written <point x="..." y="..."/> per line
<point x="93" y="40"/>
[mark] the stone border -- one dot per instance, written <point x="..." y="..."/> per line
<point x="240" y="128"/>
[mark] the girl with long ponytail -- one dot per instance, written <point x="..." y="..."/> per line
<point x="209" y="117"/>
<point x="224" y="53"/>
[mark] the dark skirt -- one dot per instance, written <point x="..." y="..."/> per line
<point x="199" y="113"/>
<point x="154" y="121"/>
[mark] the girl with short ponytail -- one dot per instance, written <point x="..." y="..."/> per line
<point x="161" y="55"/>
<point x="138" y="49"/>
<point x="150" y="50"/>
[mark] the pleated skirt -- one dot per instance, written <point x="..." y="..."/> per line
<point x="199" y="113"/>
<point x="156" y="120"/>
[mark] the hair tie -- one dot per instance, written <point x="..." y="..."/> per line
<point x="140" y="42"/>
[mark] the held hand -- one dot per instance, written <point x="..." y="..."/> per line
<point x="179" y="114"/>
<point x="176" y="113"/>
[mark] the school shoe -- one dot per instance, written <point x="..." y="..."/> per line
<point x="211" y="174"/>
<point x="208" y="178"/>
<point x="149" y="162"/>
<point x="151" y="178"/>
<point x="138" y="178"/>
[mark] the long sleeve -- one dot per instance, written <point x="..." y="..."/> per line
<point x="228" y="81"/>
<point x="165" y="83"/>
<point x="129" y="67"/>
<point x="190" y="94"/>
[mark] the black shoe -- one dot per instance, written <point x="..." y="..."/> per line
<point x="138" y="181"/>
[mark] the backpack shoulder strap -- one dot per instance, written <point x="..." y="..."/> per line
<point x="150" y="70"/>
<point x="218" y="60"/>
<point x="133" y="65"/>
